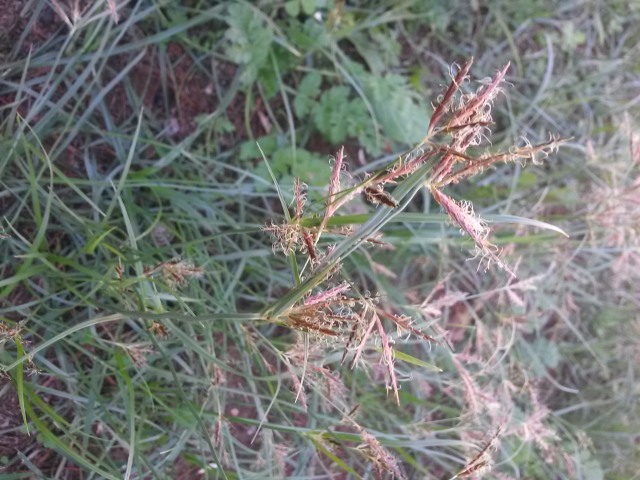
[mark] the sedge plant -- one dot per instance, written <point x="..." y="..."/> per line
<point x="323" y="303"/>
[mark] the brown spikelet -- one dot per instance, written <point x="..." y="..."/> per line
<point x="334" y="188"/>
<point x="451" y="129"/>
<point x="388" y="359"/>
<point x="10" y="332"/>
<point x="159" y="330"/>
<point x="119" y="269"/>
<point x="306" y="324"/>
<point x="300" y="197"/>
<point x="404" y="323"/>
<point x="139" y="354"/>
<point x="323" y="297"/>
<point x="113" y="9"/>
<point x="483" y="98"/>
<point x="310" y="247"/>
<point x="482" y="461"/>
<point x="462" y="214"/>
<point x="447" y="99"/>
<point x="383" y="460"/>
<point x="175" y="272"/>
<point x="377" y="195"/>
<point x="477" y="165"/>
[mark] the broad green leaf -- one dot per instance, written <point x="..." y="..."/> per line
<point x="292" y="8"/>
<point x="249" y="40"/>
<point x="340" y="116"/>
<point x="308" y="6"/>
<point x="309" y="36"/>
<point x="403" y="118"/>
<point x="249" y="150"/>
<point x="332" y="114"/>
<point x="307" y="92"/>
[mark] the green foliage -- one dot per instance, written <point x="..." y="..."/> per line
<point x="401" y="113"/>
<point x="338" y="113"/>
<point x="339" y="116"/>
<point x="308" y="35"/>
<point x="249" y="40"/>
<point x="295" y="7"/>
<point x="437" y="14"/>
<point x="308" y="92"/>
<point x="591" y="468"/>
<point x="378" y="48"/>
<point x="286" y="163"/>
<point x="541" y="355"/>
<point x="571" y="39"/>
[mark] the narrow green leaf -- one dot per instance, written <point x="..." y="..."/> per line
<point x="127" y="166"/>
<point x="285" y="209"/>
<point x="129" y="397"/>
<point x="44" y="345"/>
<point x="92" y="244"/>
<point x="525" y="221"/>
<point x="86" y="460"/>
<point x="337" y="460"/>
<point x="413" y="360"/>
<point x="435" y="218"/>
<point x="19" y="379"/>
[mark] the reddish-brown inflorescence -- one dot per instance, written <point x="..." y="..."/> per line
<point x="445" y="104"/>
<point x="460" y="120"/>
<point x="175" y="272"/>
<point x="463" y="126"/>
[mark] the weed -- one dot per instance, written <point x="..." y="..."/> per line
<point x="149" y="331"/>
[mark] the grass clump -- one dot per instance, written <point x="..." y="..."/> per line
<point x="148" y="329"/>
